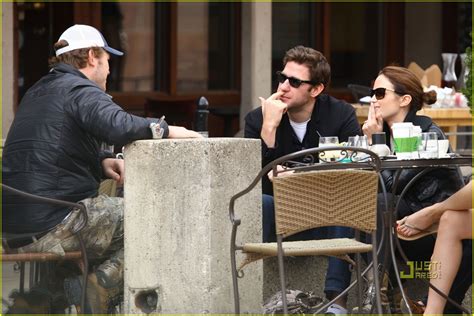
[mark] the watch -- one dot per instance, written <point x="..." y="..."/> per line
<point x="156" y="130"/>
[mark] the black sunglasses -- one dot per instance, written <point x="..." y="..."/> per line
<point x="294" y="82"/>
<point x="380" y="93"/>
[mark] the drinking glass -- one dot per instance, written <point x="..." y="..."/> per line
<point x="358" y="141"/>
<point x="429" y="145"/>
<point x="326" y="141"/>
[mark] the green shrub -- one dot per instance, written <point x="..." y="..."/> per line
<point x="468" y="89"/>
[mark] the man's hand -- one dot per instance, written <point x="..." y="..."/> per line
<point x="374" y="123"/>
<point x="114" y="169"/>
<point x="272" y="110"/>
<point x="181" y="132"/>
<point x="282" y="174"/>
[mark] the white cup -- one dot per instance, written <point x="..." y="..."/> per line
<point x="429" y="145"/>
<point x="443" y="146"/>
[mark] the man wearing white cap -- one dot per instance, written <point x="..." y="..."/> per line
<point x="53" y="150"/>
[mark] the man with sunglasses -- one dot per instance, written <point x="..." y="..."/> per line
<point x="293" y="119"/>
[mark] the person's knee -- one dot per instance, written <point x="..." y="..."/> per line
<point x="267" y="200"/>
<point x="449" y="220"/>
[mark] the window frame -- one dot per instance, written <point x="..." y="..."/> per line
<point x="166" y="54"/>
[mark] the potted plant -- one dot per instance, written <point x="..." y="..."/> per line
<point x="468" y="89"/>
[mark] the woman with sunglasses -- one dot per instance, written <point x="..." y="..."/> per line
<point x="397" y="95"/>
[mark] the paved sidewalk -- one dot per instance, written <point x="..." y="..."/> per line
<point x="10" y="281"/>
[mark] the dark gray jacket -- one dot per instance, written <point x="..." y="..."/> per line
<point x="435" y="186"/>
<point x="53" y="146"/>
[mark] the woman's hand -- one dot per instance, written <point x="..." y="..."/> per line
<point x="374" y="123"/>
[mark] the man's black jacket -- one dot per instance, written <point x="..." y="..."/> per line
<point x="53" y="146"/>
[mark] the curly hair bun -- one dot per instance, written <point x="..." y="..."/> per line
<point x="429" y="97"/>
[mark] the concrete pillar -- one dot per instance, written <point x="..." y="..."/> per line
<point x="8" y="84"/>
<point x="256" y="55"/>
<point x="177" y="228"/>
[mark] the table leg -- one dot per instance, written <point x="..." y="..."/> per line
<point x="453" y="138"/>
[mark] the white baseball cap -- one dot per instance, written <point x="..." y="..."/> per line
<point x="84" y="36"/>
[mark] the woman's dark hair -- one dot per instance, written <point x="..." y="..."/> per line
<point x="318" y="66"/>
<point x="76" y="58"/>
<point x="405" y="82"/>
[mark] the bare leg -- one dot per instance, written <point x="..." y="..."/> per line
<point x="421" y="220"/>
<point x="454" y="227"/>
<point x="461" y="200"/>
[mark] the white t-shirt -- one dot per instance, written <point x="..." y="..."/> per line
<point x="299" y="128"/>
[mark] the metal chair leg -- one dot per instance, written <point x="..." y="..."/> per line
<point x="359" y="282"/>
<point x="31" y="276"/>
<point x="324" y="307"/>
<point x="39" y="273"/>
<point x="233" y="263"/>
<point x="358" y="274"/>
<point x="375" y="271"/>
<point x="281" y="268"/>
<point x="22" y="277"/>
<point x="235" y="281"/>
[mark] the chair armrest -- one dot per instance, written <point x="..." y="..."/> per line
<point x="51" y="201"/>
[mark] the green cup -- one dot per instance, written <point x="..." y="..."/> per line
<point x="406" y="144"/>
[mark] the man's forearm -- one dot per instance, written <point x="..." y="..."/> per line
<point x="268" y="135"/>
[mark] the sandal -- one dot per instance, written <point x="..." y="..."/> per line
<point x="422" y="232"/>
<point x="416" y="306"/>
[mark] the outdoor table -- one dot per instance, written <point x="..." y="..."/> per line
<point x="391" y="163"/>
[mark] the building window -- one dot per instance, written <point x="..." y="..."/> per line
<point x="293" y="24"/>
<point x="176" y="48"/>
<point x="193" y="47"/>
<point x="205" y="49"/>
<point x="130" y="27"/>
<point x="356" y="47"/>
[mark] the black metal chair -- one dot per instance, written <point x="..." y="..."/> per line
<point x="34" y="258"/>
<point x="331" y="186"/>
